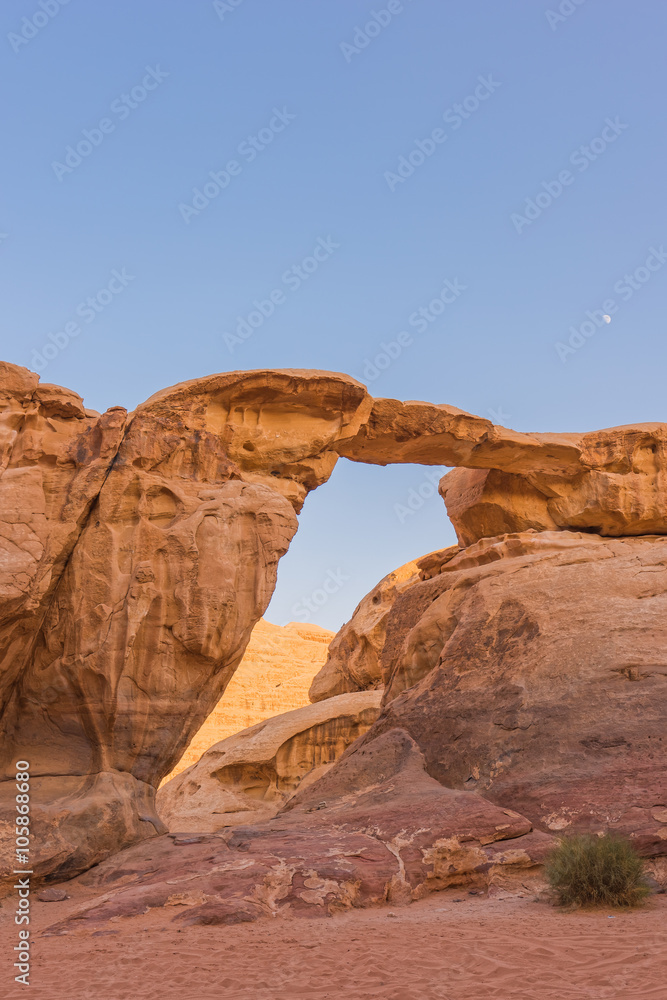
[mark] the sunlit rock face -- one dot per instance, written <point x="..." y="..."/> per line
<point x="139" y="556"/>
<point x="138" y="552"/>
<point x="273" y="677"/>
<point x="531" y="671"/>
<point x="250" y="776"/>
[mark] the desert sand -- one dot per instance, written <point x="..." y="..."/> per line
<point x="451" y="946"/>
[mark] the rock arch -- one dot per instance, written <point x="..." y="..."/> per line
<point x="139" y="551"/>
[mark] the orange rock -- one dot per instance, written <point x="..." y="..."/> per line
<point x="353" y="661"/>
<point x="138" y="556"/>
<point x="272" y="678"/>
<point x="483" y="503"/>
<point x="619" y="489"/>
<point x="612" y="482"/>
<point x="248" y="777"/>
<point x="374" y="828"/>
<point x="533" y="675"/>
<point x="55" y="457"/>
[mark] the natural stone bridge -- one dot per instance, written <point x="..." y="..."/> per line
<point x="139" y="551"/>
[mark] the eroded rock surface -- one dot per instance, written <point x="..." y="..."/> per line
<point x="131" y="599"/>
<point x="612" y="481"/>
<point x="533" y="673"/>
<point x="139" y="553"/>
<point x="249" y="777"/>
<point x="354" y="661"/>
<point x="273" y="677"/>
<point x="375" y="828"/>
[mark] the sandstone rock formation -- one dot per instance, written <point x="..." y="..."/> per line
<point x="375" y="828"/>
<point x="531" y="671"/>
<point x="483" y="503"/>
<point x="273" y="677"/>
<point x="139" y="554"/>
<point x="248" y="777"/>
<point x="158" y="554"/>
<point x="611" y="482"/>
<point x="354" y="659"/>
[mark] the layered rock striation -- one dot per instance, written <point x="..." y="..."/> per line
<point x="251" y="775"/>
<point x="277" y="669"/>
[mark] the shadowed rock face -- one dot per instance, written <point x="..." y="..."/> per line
<point x="139" y="553"/>
<point x="273" y="678"/>
<point x="534" y="674"/>
<point x="354" y="661"/>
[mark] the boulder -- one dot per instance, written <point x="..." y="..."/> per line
<point x="375" y="828"/>
<point x="534" y="675"/>
<point x="248" y="777"/>
<point x="483" y="503"/>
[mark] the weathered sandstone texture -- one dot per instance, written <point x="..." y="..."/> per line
<point x="532" y="671"/>
<point x="273" y="677"/>
<point x="139" y="552"/>
<point x="139" y="557"/>
<point x="250" y="776"/>
<point x="354" y="659"/>
<point x="375" y="828"/>
<point x="611" y="482"/>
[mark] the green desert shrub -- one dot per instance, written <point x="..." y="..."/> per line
<point x="596" y="871"/>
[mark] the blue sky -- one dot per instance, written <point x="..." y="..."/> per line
<point x="535" y="198"/>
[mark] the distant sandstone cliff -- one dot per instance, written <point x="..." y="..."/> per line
<point x="273" y="677"/>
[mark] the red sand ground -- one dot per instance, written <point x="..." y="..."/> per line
<point x="478" y="949"/>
